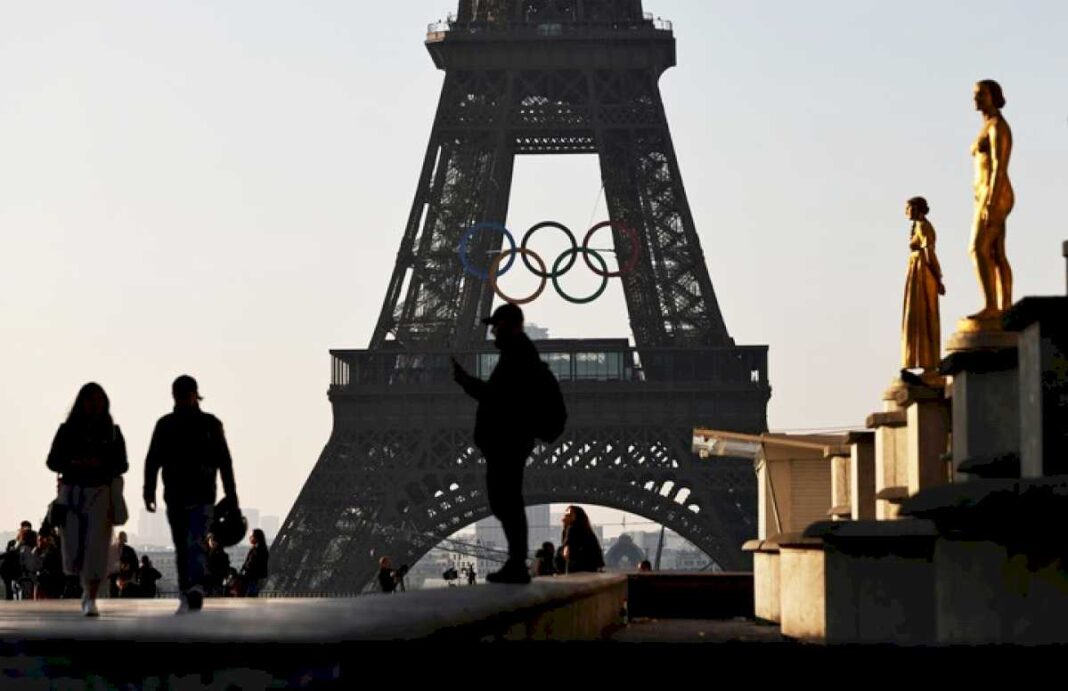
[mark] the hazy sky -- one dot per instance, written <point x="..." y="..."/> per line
<point x="221" y="188"/>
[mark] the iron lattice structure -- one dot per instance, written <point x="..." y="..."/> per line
<point x="535" y="77"/>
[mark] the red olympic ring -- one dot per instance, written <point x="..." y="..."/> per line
<point x="632" y="262"/>
<point x="524" y="252"/>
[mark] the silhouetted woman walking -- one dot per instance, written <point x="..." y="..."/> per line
<point x="89" y="453"/>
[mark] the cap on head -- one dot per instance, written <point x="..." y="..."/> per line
<point x="505" y="314"/>
<point x="185" y="385"/>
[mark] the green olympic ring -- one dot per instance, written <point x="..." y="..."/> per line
<point x="603" y="273"/>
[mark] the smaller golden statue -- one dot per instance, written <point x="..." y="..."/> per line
<point x="994" y="200"/>
<point x="921" y="334"/>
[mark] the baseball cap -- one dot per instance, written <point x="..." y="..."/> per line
<point x="185" y="385"/>
<point x="505" y="313"/>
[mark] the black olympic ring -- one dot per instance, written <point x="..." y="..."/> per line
<point x="569" y="255"/>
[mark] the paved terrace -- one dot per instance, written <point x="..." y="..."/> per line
<point x="257" y="643"/>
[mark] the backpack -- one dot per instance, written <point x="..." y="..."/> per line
<point x="550" y="414"/>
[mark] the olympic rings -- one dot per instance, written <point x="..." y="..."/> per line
<point x="563" y="264"/>
<point x="570" y="236"/>
<point x="632" y="262"/>
<point x="603" y="273"/>
<point x="465" y="260"/>
<point x="523" y="251"/>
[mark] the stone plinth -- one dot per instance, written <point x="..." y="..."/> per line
<point x="880" y="581"/>
<point x="841" y="483"/>
<point x="862" y="475"/>
<point x="891" y="469"/>
<point x="766" y="586"/>
<point x="1000" y="564"/>
<point x="801" y="588"/>
<point x="926" y="436"/>
<point x="1042" y="323"/>
<point x="986" y="410"/>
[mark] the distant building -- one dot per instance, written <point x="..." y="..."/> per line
<point x="153" y="531"/>
<point x="489" y="533"/>
<point x="535" y="332"/>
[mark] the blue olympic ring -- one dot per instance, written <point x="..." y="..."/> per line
<point x="465" y="242"/>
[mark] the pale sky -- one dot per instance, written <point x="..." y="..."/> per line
<point x="220" y="189"/>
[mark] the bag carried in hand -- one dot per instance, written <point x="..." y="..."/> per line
<point x="117" y="511"/>
<point x="57" y="513"/>
<point x="550" y="414"/>
<point x="228" y="525"/>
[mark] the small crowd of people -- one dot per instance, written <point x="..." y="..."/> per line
<point x="579" y="552"/>
<point x="223" y="580"/>
<point x="73" y="554"/>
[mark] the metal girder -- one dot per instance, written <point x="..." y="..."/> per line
<point x="400" y="492"/>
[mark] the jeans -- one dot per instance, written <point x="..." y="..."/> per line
<point x="504" y="490"/>
<point x="189" y="529"/>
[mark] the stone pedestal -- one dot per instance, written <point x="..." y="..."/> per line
<point x="841" y="483"/>
<point x="879" y="580"/>
<point x="862" y="475"/>
<point x="985" y="398"/>
<point x="926" y="436"/>
<point x="802" y="588"/>
<point x="766" y="585"/>
<point x="1042" y="324"/>
<point x="1001" y="575"/>
<point x="891" y="471"/>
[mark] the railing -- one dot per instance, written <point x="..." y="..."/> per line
<point x="437" y="30"/>
<point x="571" y="361"/>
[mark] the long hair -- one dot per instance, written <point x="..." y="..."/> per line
<point x="77" y="411"/>
<point x="996" y="94"/>
<point x="921" y="204"/>
<point x="261" y="539"/>
<point x="580" y="524"/>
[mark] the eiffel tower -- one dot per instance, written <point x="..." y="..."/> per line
<point x="399" y="472"/>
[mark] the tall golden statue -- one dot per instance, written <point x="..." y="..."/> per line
<point x="994" y="199"/>
<point x="921" y="334"/>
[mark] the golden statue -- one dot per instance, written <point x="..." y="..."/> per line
<point x="993" y="201"/>
<point x="921" y="334"/>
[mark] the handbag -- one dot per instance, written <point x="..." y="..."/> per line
<point x="57" y="513"/>
<point x="117" y="511"/>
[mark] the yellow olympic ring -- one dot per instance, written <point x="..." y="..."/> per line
<point x="496" y="264"/>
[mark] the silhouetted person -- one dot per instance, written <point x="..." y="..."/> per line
<point x="10" y="566"/>
<point x="218" y="567"/>
<point x="387" y="580"/>
<point x="504" y="431"/>
<point x="543" y="560"/>
<point x="254" y="570"/>
<point x="127" y="564"/>
<point x="88" y="452"/>
<point x="50" y="578"/>
<point x="646" y="565"/>
<point x="190" y="447"/>
<point x="399" y="577"/>
<point x="580" y="550"/>
<point x="147" y="576"/>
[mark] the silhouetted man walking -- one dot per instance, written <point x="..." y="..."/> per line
<point x="504" y="431"/>
<point x="190" y="447"/>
